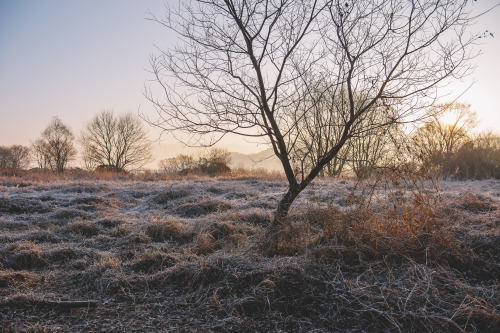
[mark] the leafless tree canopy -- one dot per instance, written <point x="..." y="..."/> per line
<point x="15" y="156"/>
<point x="55" y="148"/>
<point x="251" y="67"/>
<point x="117" y="141"/>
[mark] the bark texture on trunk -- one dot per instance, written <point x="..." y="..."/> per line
<point x="280" y="219"/>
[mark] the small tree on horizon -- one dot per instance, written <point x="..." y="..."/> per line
<point x="55" y="148"/>
<point x="116" y="141"/>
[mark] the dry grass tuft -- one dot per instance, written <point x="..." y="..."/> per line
<point x="121" y="230"/>
<point x="63" y="255"/>
<point x="202" y="207"/>
<point x="84" y="228"/>
<point x="475" y="204"/>
<point x="205" y="243"/>
<point x="160" y="230"/>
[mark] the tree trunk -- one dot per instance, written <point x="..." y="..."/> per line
<point x="280" y="220"/>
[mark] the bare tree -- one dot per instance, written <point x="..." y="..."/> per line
<point x="245" y="67"/>
<point x="117" y="141"/>
<point x="55" y="148"/>
<point x="15" y="156"/>
<point x="40" y="154"/>
<point x="4" y="157"/>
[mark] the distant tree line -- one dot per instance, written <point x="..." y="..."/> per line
<point x="444" y="145"/>
<point x="452" y="148"/>
<point x="109" y="142"/>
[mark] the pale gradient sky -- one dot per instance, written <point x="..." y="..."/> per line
<point x="72" y="59"/>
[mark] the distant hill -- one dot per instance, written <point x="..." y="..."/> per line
<point x="262" y="160"/>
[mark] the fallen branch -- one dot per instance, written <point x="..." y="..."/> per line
<point x="23" y="300"/>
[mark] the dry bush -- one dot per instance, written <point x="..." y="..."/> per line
<point x="84" y="228"/>
<point x="415" y="231"/>
<point x="212" y="163"/>
<point x="403" y="222"/>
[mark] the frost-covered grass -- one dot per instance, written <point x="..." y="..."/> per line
<point x="186" y="254"/>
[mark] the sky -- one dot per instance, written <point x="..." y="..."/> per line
<point x="72" y="59"/>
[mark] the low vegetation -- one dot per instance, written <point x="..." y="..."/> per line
<point x="82" y="252"/>
<point x="211" y="163"/>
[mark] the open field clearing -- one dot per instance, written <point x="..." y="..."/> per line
<point x="187" y="255"/>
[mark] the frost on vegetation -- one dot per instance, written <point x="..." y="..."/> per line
<point x="197" y="244"/>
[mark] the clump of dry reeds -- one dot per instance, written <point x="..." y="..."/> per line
<point x="474" y="204"/>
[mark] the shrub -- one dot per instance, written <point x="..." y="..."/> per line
<point x="213" y="163"/>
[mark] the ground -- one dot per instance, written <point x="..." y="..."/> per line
<point x="189" y="254"/>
